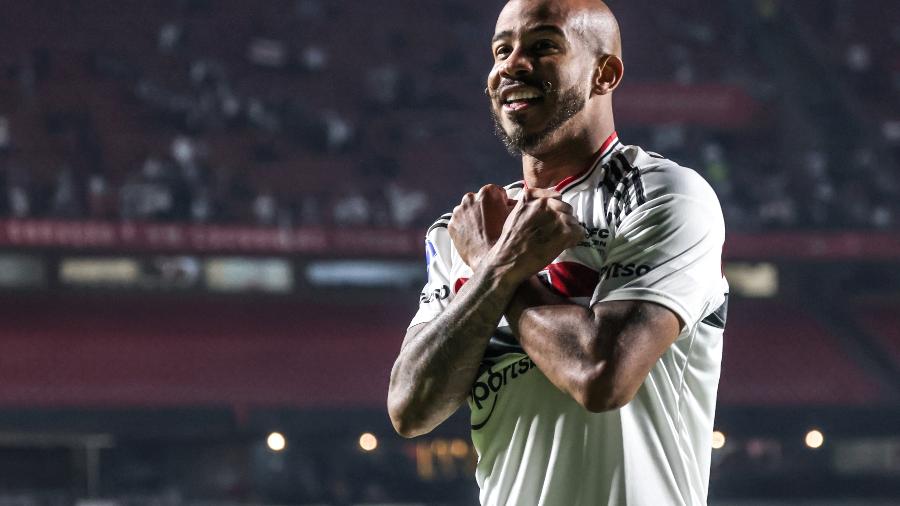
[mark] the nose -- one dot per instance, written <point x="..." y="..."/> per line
<point x="517" y="64"/>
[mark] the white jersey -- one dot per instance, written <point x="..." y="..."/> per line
<point x="653" y="231"/>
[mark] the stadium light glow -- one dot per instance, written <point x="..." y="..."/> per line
<point x="368" y="442"/>
<point x="276" y="441"/>
<point x="718" y="439"/>
<point x="814" y="439"/>
<point x="440" y="447"/>
<point x="459" y="448"/>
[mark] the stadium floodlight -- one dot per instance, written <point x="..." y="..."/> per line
<point x="718" y="440"/>
<point x="814" y="439"/>
<point x="276" y="442"/>
<point x="368" y="442"/>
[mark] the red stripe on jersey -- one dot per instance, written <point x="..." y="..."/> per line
<point x="572" y="279"/>
<point x="459" y="283"/>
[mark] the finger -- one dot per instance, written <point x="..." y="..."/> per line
<point x="492" y="193"/>
<point x="485" y="190"/>
<point x="559" y="206"/>
<point x="548" y="193"/>
<point x="467" y="199"/>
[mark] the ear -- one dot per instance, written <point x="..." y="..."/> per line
<point x="608" y="74"/>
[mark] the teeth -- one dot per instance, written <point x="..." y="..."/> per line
<point x="522" y="95"/>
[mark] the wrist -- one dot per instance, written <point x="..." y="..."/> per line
<point x="503" y="269"/>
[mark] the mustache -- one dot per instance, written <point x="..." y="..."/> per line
<point x="545" y="86"/>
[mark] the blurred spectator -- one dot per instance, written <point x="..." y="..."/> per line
<point x="5" y="135"/>
<point x="99" y="200"/>
<point x="351" y="208"/>
<point x="170" y="37"/>
<point x="406" y="205"/>
<point x="66" y="200"/>
<point x="313" y="58"/>
<point x="264" y="209"/>
<point x="267" y="53"/>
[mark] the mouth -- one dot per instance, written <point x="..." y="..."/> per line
<point x="520" y="98"/>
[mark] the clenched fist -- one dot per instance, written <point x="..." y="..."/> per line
<point x="538" y="229"/>
<point x="477" y="222"/>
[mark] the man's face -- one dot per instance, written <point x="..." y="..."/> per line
<point x="541" y="76"/>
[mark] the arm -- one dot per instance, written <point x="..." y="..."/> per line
<point x="600" y="356"/>
<point x="438" y="360"/>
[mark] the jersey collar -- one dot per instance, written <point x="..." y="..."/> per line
<point x="606" y="150"/>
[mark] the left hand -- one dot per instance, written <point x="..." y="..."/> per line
<point x="477" y="222"/>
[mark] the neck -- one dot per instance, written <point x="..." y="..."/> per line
<point x="567" y="158"/>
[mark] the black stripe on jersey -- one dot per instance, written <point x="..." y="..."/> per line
<point x="626" y="198"/>
<point x="440" y="223"/>
<point x="638" y="187"/>
<point x="620" y="175"/>
<point x="718" y="317"/>
<point x="617" y="169"/>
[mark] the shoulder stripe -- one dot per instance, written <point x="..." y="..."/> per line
<point x="638" y="183"/>
<point x="517" y="184"/>
<point x="624" y="183"/>
<point x="442" y="222"/>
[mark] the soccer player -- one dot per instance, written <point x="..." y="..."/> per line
<point x="579" y="311"/>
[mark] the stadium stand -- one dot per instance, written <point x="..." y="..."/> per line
<point x="146" y="112"/>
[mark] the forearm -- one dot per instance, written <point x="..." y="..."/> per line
<point x="559" y="336"/>
<point x="435" y="369"/>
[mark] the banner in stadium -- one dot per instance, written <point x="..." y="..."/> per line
<point x="715" y="105"/>
<point x="364" y="242"/>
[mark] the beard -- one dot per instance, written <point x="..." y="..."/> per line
<point x="517" y="142"/>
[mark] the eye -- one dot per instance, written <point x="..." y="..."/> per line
<point x="502" y="51"/>
<point x="544" y="45"/>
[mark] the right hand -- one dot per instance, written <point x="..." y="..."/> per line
<point x="538" y="229"/>
<point x="478" y="221"/>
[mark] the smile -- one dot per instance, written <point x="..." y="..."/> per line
<point x="520" y="98"/>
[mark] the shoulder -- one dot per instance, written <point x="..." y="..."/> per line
<point x="660" y="177"/>
<point x="438" y="245"/>
<point x="439" y="224"/>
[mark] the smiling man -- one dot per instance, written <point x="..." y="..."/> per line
<point x="579" y="311"/>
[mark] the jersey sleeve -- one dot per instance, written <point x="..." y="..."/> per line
<point x="438" y="290"/>
<point x="668" y="249"/>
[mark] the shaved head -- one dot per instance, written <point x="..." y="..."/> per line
<point x="591" y="20"/>
<point x="598" y="27"/>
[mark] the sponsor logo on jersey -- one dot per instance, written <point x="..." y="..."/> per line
<point x="594" y="237"/>
<point x="490" y="384"/>
<point x="437" y="294"/>
<point x="617" y="270"/>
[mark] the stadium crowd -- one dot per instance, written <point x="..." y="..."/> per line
<point x="149" y="112"/>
